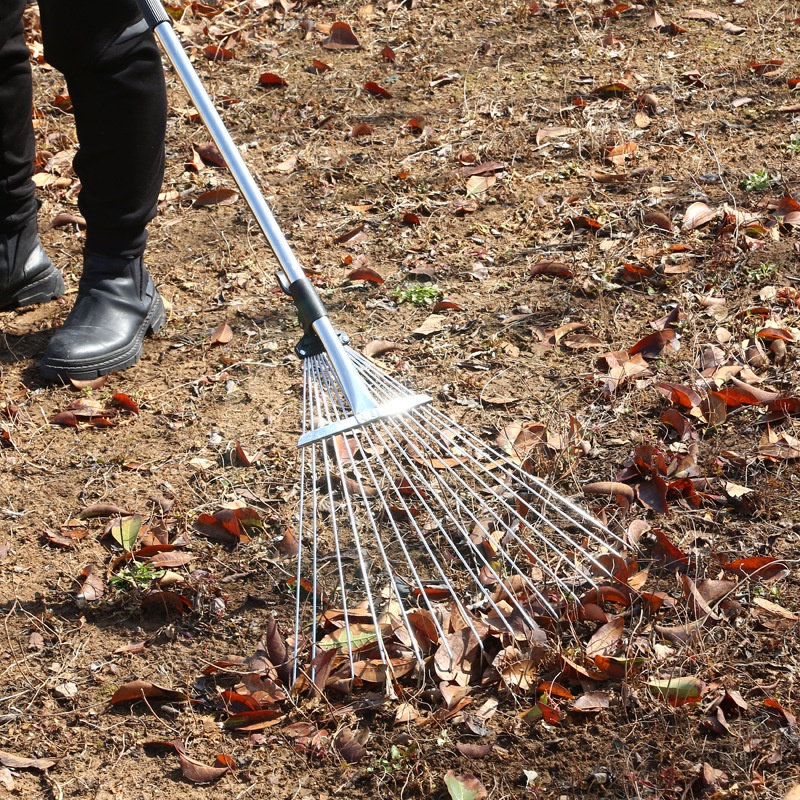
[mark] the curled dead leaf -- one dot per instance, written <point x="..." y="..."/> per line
<point x="23" y="762"/>
<point x="197" y="772"/>
<point x="697" y="215"/>
<point x="341" y="37"/>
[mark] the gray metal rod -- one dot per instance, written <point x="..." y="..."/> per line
<point x="353" y="385"/>
<point x="230" y="152"/>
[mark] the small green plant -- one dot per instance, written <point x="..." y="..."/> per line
<point x="759" y="181"/>
<point x="398" y="758"/>
<point x="762" y="272"/>
<point x="793" y="145"/>
<point x="135" y="576"/>
<point x="420" y="294"/>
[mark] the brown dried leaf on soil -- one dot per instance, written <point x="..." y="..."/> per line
<point x="351" y="745"/>
<point x="778" y="446"/>
<point x="14" y="761"/>
<point x="773" y="616"/>
<point x="591" y="702"/>
<point x="137" y="690"/>
<point x="697" y="215"/>
<point x="365" y="274"/>
<point x="758" y="568"/>
<point x="222" y="334"/>
<point x="219" y="197"/>
<point x="605" y="640"/>
<point x="92" y="586"/>
<point x="271" y="80"/>
<point x="341" y="37"/>
<point x="197" y="772"/>
<point x="254" y="720"/>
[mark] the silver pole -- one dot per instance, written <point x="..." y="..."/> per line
<point x="361" y="401"/>
<point x="230" y="152"/>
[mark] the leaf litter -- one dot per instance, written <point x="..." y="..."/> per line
<point x="669" y="419"/>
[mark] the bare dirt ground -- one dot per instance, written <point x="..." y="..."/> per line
<point x="567" y="174"/>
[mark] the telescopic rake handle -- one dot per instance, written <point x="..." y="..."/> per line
<point x="311" y="312"/>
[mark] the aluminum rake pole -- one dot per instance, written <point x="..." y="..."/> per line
<point x="310" y="308"/>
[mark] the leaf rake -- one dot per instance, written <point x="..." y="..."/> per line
<point x="401" y="508"/>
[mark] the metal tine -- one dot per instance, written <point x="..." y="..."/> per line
<point x="364" y="432"/>
<point x="434" y="562"/>
<point x="398" y="535"/>
<point x="410" y="421"/>
<point x="447" y="510"/>
<point x="512" y="471"/>
<point x="425" y="442"/>
<point x="332" y="411"/>
<point x="325" y="407"/>
<point x="389" y="387"/>
<point x="432" y="492"/>
<point x="311" y="408"/>
<point x="406" y="438"/>
<point x="474" y="519"/>
<point x="308" y="413"/>
<point x="304" y="457"/>
<point x="391" y="571"/>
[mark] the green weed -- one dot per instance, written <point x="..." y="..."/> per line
<point x="135" y="576"/>
<point x="759" y="181"/>
<point x="793" y="145"/>
<point x="762" y="272"/>
<point x="421" y="294"/>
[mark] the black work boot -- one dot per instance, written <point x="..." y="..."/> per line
<point x="27" y="276"/>
<point x="117" y="306"/>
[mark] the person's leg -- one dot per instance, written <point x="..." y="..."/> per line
<point x="116" y="83"/>
<point x="26" y="274"/>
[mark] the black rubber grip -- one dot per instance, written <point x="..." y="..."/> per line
<point x="307" y="302"/>
<point x="153" y="12"/>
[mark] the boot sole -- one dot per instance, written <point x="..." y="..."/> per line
<point x="49" y="286"/>
<point x="153" y="323"/>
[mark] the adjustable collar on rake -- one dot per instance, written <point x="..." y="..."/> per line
<point x="320" y="341"/>
<point x="309" y="309"/>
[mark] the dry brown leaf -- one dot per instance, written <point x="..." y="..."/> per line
<point x="555" y="132"/>
<point x="23" y="762"/>
<point x="698" y="214"/>
<point x="778" y="446"/>
<point x="480" y="183"/>
<point x="702" y="14"/>
<point x="773" y="616"/>
<point x="137" y="690"/>
<point x="657" y="219"/>
<point x="341" y="38"/>
<point x="222" y="334"/>
<point x="197" y="772"/>
<point x="621" y="153"/>
<point x="457" y="657"/>
<point x="92" y="585"/>
<point x="218" y="197"/>
<point x="349" y="746"/>
<point x="592" y="702"/>
<point x="605" y="640"/>
<point x="433" y="324"/>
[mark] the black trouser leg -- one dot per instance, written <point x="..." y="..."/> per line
<point x="116" y="82"/>
<point x="27" y="275"/>
<point x="115" y="79"/>
<point x="17" y="199"/>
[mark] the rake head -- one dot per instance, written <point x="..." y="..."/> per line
<point x="409" y="513"/>
<point x="402" y="509"/>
